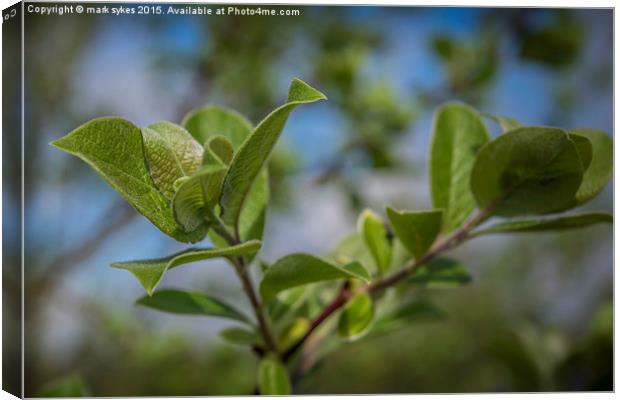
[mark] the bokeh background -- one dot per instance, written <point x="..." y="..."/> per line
<point x="538" y="314"/>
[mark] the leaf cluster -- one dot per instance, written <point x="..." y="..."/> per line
<point x="207" y="176"/>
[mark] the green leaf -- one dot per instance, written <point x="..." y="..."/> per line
<point x="253" y="213"/>
<point x="292" y="332"/>
<point x="254" y="152"/>
<point x="400" y="254"/>
<point x="406" y="314"/>
<point x="372" y="229"/>
<point x="254" y="210"/>
<point x="114" y="148"/>
<point x="599" y="171"/>
<point x="151" y="272"/>
<point x="287" y="303"/>
<point x="547" y="224"/>
<point x="356" y="317"/>
<point x="458" y="134"/>
<point x="220" y="147"/>
<point x="212" y="120"/>
<point x="440" y="273"/>
<point x="190" y="303"/>
<point x="241" y="337"/>
<point x="416" y="230"/>
<point x="196" y="196"/>
<point x="300" y="269"/>
<point x="171" y="153"/>
<point x="584" y="149"/>
<point x="530" y="170"/>
<point x="191" y="202"/>
<point x="506" y="123"/>
<point x="273" y="377"/>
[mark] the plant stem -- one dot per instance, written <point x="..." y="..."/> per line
<point x="241" y="270"/>
<point x="219" y="227"/>
<point x="263" y="326"/>
<point x="344" y="295"/>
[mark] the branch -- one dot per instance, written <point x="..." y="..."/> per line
<point x="240" y="268"/>
<point x="344" y="295"/>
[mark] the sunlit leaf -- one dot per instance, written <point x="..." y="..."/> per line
<point x="300" y="269"/>
<point x="114" y="148"/>
<point x="372" y="229"/>
<point x="416" y="230"/>
<point x="458" y="134"/>
<point x="253" y="212"/>
<point x="293" y="332"/>
<point x="213" y="120"/>
<point x="171" y="153"/>
<point x="197" y="195"/>
<point x="356" y="316"/>
<point x="273" y="377"/>
<point x="252" y="155"/>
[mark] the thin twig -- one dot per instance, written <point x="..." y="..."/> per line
<point x="263" y="326"/>
<point x="241" y="270"/>
<point x="344" y="295"/>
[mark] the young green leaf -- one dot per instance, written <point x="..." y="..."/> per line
<point x="440" y="273"/>
<point x="213" y="120"/>
<point x="113" y="147"/>
<point x="197" y="195"/>
<point x="356" y="317"/>
<point x="372" y="229"/>
<point x="458" y="134"/>
<point x="547" y="224"/>
<point x="584" y="148"/>
<point x="293" y="332"/>
<point x="416" y="230"/>
<point x="253" y="212"/>
<point x="530" y="170"/>
<point x="287" y="303"/>
<point x="241" y="337"/>
<point x="300" y="269"/>
<point x="255" y="150"/>
<point x="191" y="201"/>
<point x="171" y="153"/>
<point x="190" y="303"/>
<point x="151" y="272"/>
<point x="220" y="147"/>
<point x="598" y="172"/>
<point x="506" y="123"/>
<point x="273" y="377"/>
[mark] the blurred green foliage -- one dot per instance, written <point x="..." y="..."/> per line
<point x="484" y="343"/>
